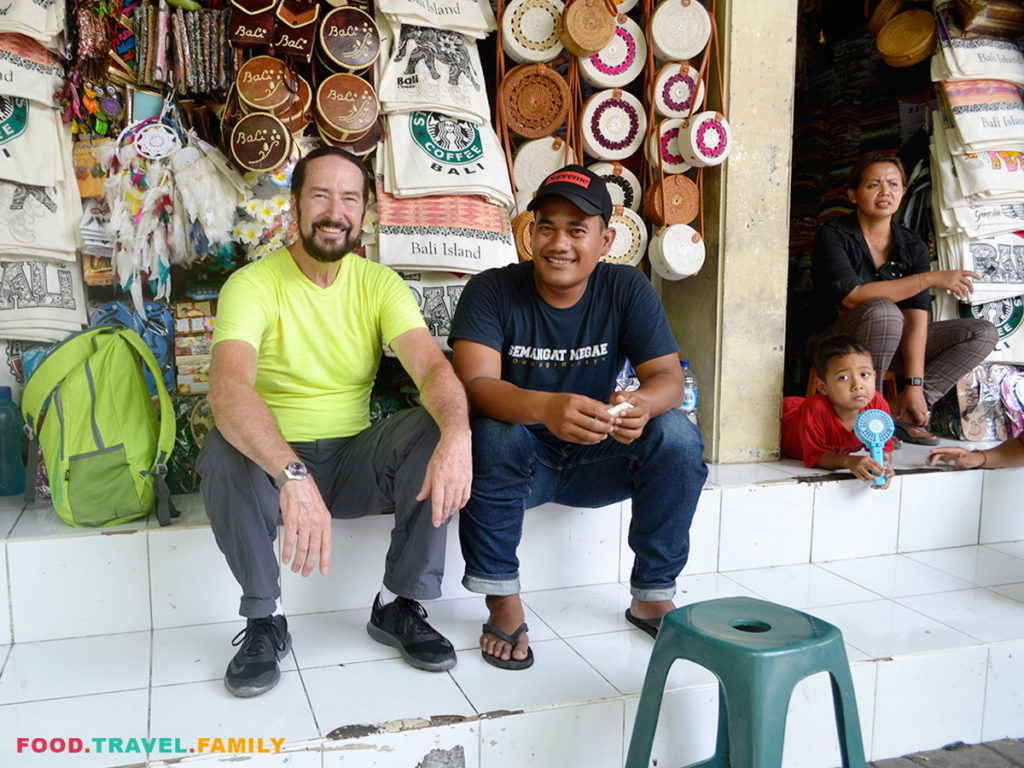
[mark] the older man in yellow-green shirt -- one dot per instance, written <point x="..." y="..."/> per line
<point x="296" y="345"/>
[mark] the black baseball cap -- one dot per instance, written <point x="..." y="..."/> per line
<point x="584" y="189"/>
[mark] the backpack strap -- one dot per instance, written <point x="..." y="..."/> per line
<point x="40" y="386"/>
<point x="165" y="509"/>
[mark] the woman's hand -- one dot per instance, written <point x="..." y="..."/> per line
<point x="959" y="282"/>
<point x="911" y="407"/>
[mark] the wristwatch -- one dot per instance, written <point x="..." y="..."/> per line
<point x="915" y="381"/>
<point x="294" y="470"/>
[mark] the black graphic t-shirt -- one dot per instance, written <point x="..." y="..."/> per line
<point x="580" y="349"/>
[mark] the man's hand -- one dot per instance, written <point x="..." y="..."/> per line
<point x="307" y="526"/>
<point x="449" y="476"/>
<point x="577" y="418"/>
<point x="629" y="424"/>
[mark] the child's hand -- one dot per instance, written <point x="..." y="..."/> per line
<point x="867" y="469"/>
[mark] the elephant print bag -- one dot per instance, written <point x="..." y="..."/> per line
<point x="434" y="69"/>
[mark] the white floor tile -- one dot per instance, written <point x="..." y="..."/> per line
<point x="765" y="525"/>
<point x="939" y="509"/>
<point x="622" y="659"/>
<point x="983" y="566"/>
<point x="455" y="745"/>
<point x="558" y="677"/>
<point x="191" y="581"/>
<point x="1004" y="695"/>
<point x="686" y="728"/>
<point x="77" y="667"/>
<point x="97" y="716"/>
<point x="1000" y="505"/>
<point x="914" y="710"/>
<point x="206" y="710"/>
<point x="895" y="575"/>
<point x="571" y="736"/>
<point x="581" y="610"/>
<point x="387" y="690"/>
<point x="731" y="475"/>
<point x="1013" y="591"/>
<point x="80" y="585"/>
<point x="197" y="653"/>
<point x="335" y="638"/>
<point x="8" y="517"/>
<point x="796" y="468"/>
<point x="812" y="735"/>
<point x="1012" y="548"/>
<point x="882" y="628"/>
<point x="568" y="546"/>
<point x="287" y="758"/>
<point x="707" y="586"/>
<point x="802" y="586"/>
<point x="852" y="519"/>
<point x="980" y="613"/>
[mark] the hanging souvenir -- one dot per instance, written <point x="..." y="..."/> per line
<point x="349" y="40"/>
<point x="630" y="241"/>
<point x="529" y="30"/>
<point x="30" y="71"/>
<point x="613" y="124"/>
<point x="677" y="87"/>
<point x="676" y="252"/>
<point x="663" y="147"/>
<point x="41" y="300"/>
<point x="679" y="29"/>
<point x="295" y="29"/>
<point x="534" y="99"/>
<point x="252" y="22"/>
<point x="622" y="183"/>
<point x="621" y="61"/>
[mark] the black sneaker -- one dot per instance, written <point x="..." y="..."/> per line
<point x="403" y="624"/>
<point x="254" y="669"/>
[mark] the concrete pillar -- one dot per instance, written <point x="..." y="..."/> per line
<point x="730" y="319"/>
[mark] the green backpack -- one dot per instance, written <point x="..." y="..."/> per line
<point x="104" y="446"/>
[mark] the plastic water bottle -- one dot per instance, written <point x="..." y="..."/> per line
<point x="689" y="406"/>
<point x="12" y="471"/>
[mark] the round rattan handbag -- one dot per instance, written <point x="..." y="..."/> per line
<point x="521" y="235"/>
<point x="535" y="100"/>
<point x="663" y="147"/>
<point x="621" y="61"/>
<point x="672" y="200"/>
<point x="676" y="87"/>
<point x="676" y="252"/>
<point x="907" y="38"/>
<point x="529" y="30"/>
<point x="679" y="29"/>
<point x="534" y="161"/>
<point x="623" y="185"/>
<point x="706" y="139"/>
<point x="630" y="241"/>
<point x="587" y="26"/>
<point x="612" y="124"/>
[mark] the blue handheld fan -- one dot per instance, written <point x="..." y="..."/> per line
<point x="874" y="427"/>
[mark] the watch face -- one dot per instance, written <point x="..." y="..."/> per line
<point x="296" y="470"/>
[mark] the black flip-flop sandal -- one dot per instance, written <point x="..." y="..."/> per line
<point x="490" y="629"/>
<point x="902" y="431"/>
<point x="650" y="626"/>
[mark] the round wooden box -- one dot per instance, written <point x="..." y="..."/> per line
<point x="264" y="84"/>
<point x="349" y="39"/>
<point x="260" y="142"/>
<point x="346" y="107"/>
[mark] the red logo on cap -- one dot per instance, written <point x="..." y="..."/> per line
<point x="570" y="176"/>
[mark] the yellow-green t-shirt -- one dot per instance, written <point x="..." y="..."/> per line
<point x="318" y="348"/>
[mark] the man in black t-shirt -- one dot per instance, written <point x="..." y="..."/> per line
<point x="538" y="346"/>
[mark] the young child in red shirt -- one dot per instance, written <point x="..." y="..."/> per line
<point x="819" y="429"/>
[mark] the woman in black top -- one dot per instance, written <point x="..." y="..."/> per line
<point x="872" y="279"/>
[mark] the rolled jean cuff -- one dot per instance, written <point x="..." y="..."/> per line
<point x="499" y="587"/>
<point x="646" y="595"/>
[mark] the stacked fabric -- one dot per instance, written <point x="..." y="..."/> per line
<point x="977" y="170"/>
<point x="443" y="188"/>
<point x="42" y="296"/>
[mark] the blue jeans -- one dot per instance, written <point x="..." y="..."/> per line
<point x="662" y="472"/>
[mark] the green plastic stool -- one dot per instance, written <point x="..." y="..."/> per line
<point x="759" y="651"/>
